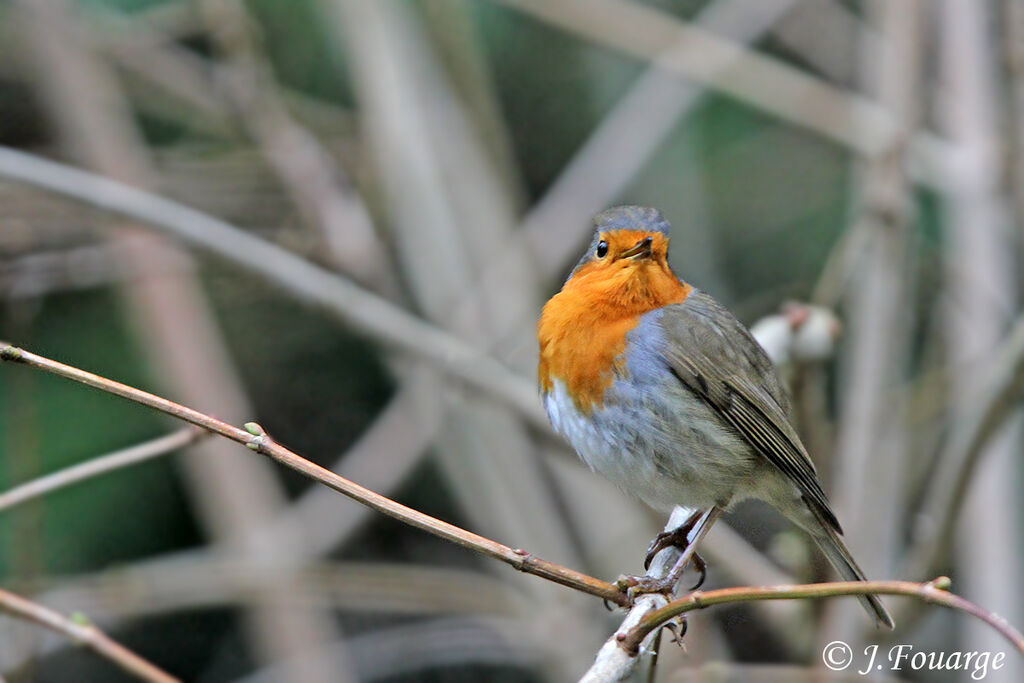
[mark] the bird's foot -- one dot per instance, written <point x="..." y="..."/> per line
<point x="635" y="586"/>
<point x="697" y="525"/>
<point x="678" y="538"/>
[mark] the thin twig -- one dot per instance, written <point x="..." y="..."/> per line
<point x="83" y="633"/>
<point x="933" y="591"/>
<point x="103" y="464"/>
<point x="257" y="440"/>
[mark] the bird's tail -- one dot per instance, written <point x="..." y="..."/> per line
<point x="839" y="556"/>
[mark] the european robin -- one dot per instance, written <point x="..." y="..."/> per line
<point x="664" y="392"/>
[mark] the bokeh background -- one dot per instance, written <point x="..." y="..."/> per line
<point x="445" y="156"/>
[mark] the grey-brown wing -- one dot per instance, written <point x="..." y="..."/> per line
<point x="714" y="355"/>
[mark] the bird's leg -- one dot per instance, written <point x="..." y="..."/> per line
<point x="678" y="538"/>
<point x="699" y="527"/>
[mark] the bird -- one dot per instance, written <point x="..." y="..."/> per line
<point x="659" y="388"/>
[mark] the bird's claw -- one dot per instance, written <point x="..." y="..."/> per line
<point x="676" y="538"/>
<point x="678" y="629"/>
<point x="657" y="545"/>
<point x="702" y="568"/>
<point x="634" y="586"/>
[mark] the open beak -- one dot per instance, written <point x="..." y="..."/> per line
<point x="640" y="250"/>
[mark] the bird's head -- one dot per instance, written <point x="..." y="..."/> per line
<point x="623" y="275"/>
<point x="627" y="261"/>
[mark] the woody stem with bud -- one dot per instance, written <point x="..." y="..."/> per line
<point x="255" y="438"/>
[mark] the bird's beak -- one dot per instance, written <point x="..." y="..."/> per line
<point x="640" y="250"/>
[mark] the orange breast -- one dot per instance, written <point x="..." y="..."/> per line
<point x="582" y="329"/>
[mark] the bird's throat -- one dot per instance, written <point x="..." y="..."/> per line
<point x="582" y="330"/>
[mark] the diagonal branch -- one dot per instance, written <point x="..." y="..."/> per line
<point x="618" y="657"/>
<point x="1000" y="385"/>
<point x="257" y="440"/>
<point x="254" y="438"/>
<point x="628" y="136"/>
<point x="303" y="166"/>
<point x="368" y="313"/>
<point x="83" y="633"/>
<point x="611" y="663"/>
<point x="94" y="467"/>
<point x="767" y="84"/>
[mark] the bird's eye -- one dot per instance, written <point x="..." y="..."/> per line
<point x="602" y="249"/>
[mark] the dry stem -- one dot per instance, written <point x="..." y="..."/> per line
<point x="83" y="633"/>
<point x="256" y="439"/>
<point x="259" y="441"/>
<point x="932" y="591"/>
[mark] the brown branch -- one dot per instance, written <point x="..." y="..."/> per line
<point x="83" y="633"/>
<point x="932" y="591"/>
<point x="256" y="439"/>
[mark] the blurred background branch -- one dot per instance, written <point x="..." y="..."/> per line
<point x="340" y="217"/>
<point x="98" y="466"/>
<point x="176" y="327"/>
<point x="871" y="434"/>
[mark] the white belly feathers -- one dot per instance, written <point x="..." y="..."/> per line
<point x="676" y="462"/>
